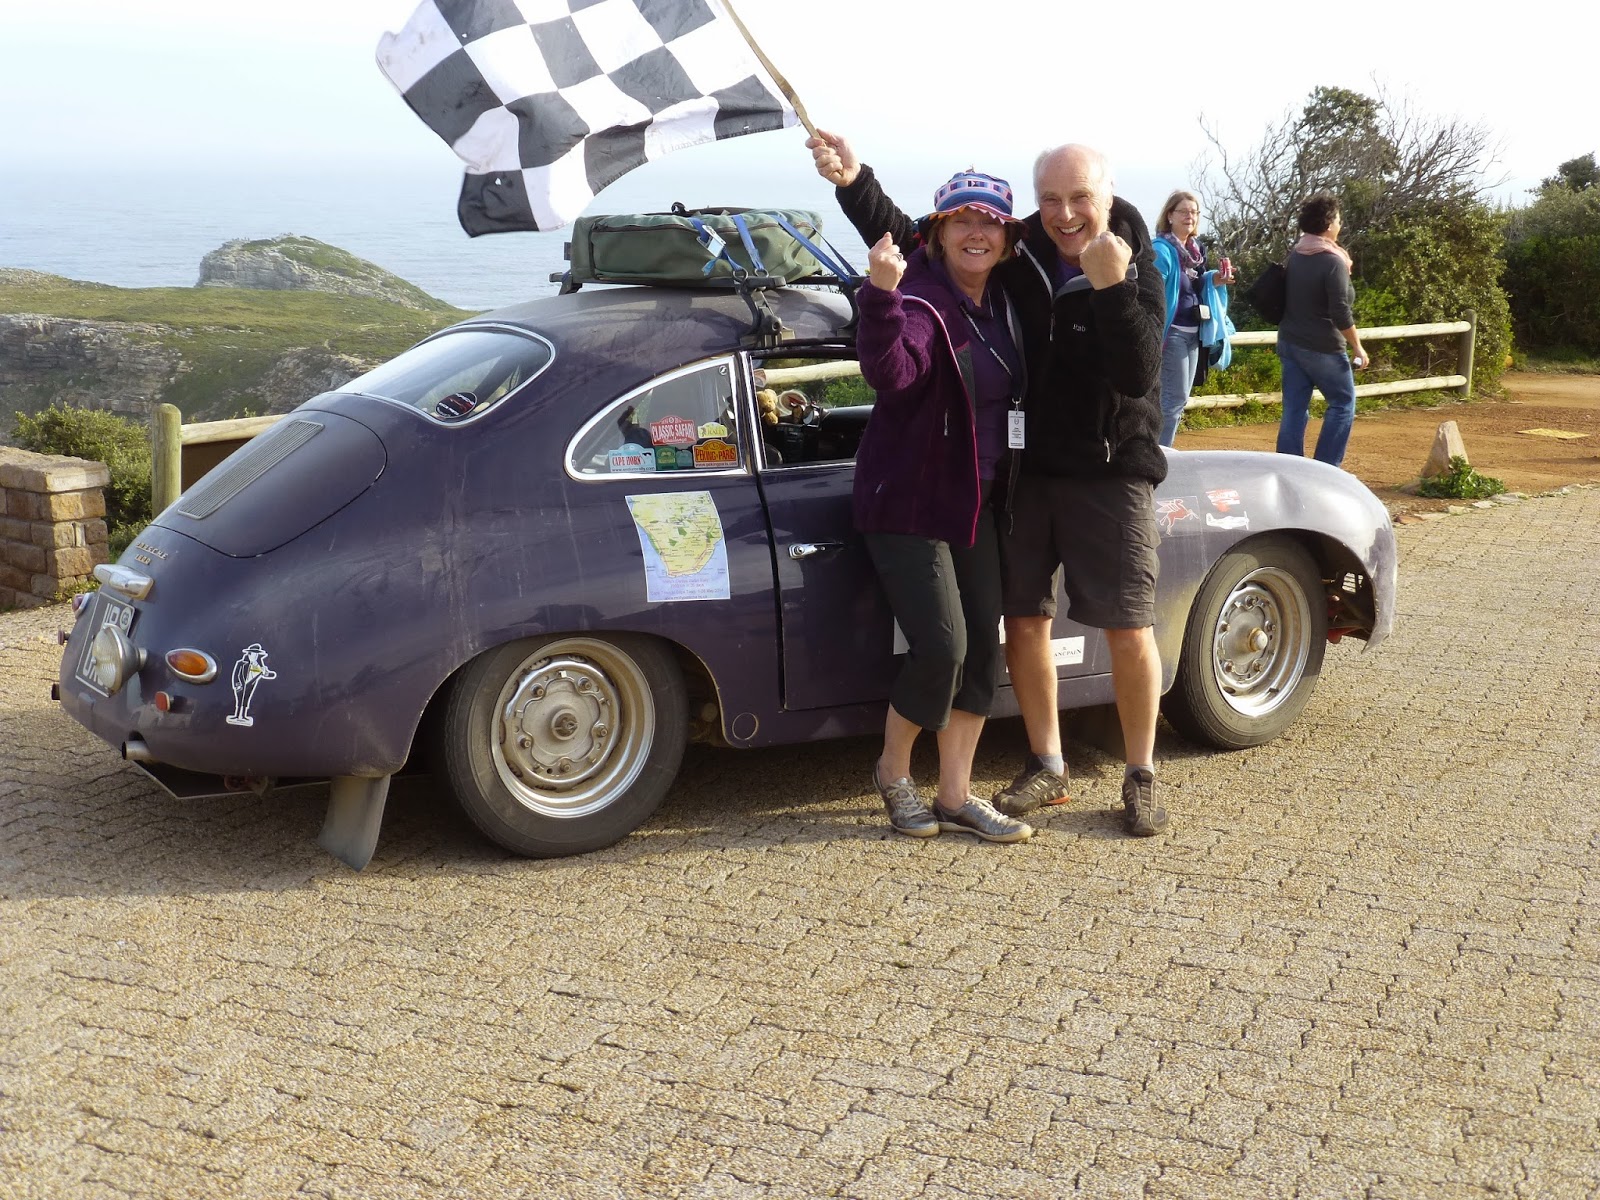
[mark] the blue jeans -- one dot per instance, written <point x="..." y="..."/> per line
<point x="1180" y="359"/>
<point x="1330" y="373"/>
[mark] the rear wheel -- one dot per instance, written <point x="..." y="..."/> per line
<point x="565" y="744"/>
<point x="1252" y="650"/>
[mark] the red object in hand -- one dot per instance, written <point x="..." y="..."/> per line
<point x="1225" y="266"/>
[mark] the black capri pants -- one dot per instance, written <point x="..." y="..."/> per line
<point x="947" y="601"/>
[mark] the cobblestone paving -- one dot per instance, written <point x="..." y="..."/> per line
<point x="1364" y="963"/>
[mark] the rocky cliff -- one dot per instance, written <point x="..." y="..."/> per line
<point x="292" y="263"/>
<point x="115" y="365"/>
<point x="298" y="318"/>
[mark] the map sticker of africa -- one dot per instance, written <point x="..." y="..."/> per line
<point x="685" y="554"/>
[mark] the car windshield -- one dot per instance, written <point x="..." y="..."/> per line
<point x="457" y="375"/>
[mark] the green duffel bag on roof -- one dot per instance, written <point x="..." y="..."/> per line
<point x="694" y="247"/>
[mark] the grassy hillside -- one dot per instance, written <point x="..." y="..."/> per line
<point x="228" y="339"/>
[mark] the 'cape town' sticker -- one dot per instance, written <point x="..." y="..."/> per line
<point x="631" y="457"/>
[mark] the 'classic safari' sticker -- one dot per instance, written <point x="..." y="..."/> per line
<point x="248" y="674"/>
<point x="672" y="431"/>
<point x="1176" y="511"/>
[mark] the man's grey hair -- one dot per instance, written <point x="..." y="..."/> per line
<point x="1097" y="162"/>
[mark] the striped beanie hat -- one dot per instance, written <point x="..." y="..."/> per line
<point x="973" y="189"/>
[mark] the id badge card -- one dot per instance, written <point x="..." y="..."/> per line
<point x="1205" y="312"/>
<point x="1015" y="420"/>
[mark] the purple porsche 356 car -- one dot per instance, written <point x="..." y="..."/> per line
<point x="551" y="544"/>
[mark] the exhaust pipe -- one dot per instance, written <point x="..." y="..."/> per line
<point x="135" y="750"/>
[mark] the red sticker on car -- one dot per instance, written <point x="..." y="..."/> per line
<point x="672" y="431"/>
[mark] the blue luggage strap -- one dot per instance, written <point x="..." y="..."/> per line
<point x="837" y="265"/>
<point x="749" y="243"/>
<point x="707" y="235"/>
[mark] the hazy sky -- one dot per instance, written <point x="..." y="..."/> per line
<point x="283" y="84"/>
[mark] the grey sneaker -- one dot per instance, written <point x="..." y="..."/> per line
<point x="1142" y="816"/>
<point x="979" y="817"/>
<point x="1035" y="787"/>
<point x="908" y="813"/>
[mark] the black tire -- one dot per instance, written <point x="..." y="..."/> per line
<point x="560" y="745"/>
<point x="1253" y="646"/>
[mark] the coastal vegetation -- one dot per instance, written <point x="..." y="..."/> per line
<point x="1553" y="264"/>
<point x="215" y="351"/>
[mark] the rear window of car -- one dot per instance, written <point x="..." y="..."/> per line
<point x="457" y="375"/>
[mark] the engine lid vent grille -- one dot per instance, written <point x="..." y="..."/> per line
<point x="247" y="466"/>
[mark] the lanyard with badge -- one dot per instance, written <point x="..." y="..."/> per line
<point x="1015" y="418"/>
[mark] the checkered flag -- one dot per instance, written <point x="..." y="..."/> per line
<point x="548" y="101"/>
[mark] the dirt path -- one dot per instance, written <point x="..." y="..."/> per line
<point x="1388" y="449"/>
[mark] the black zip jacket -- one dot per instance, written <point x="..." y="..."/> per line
<point x="1093" y="389"/>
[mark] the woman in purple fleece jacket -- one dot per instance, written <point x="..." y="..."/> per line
<point x="936" y="344"/>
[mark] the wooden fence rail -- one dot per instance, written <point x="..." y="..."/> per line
<point x="1461" y="381"/>
<point x="171" y="471"/>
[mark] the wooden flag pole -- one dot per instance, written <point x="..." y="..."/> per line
<point x="777" y="76"/>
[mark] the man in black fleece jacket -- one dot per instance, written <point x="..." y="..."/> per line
<point x="1089" y="302"/>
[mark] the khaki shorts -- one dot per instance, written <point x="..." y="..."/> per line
<point x="1100" y="534"/>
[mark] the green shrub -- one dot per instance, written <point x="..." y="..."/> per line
<point x="121" y="444"/>
<point x="1460" y="482"/>
<point x="1434" y="264"/>
<point x="1553" y="261"/>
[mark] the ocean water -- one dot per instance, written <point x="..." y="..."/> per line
<point x="150" y="228"/>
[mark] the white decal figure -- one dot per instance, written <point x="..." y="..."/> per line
<point x="1241" y="521"/>
<point x="248" y="673"/>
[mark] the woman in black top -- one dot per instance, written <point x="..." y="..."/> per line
<point x="1318" y="322"/>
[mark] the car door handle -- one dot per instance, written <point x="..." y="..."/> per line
<point x="807" y="549"/>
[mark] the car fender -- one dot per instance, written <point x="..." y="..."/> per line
<point x="1212" y="500"/>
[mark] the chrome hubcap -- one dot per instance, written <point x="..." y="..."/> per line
<point x="1261" y="641"/>
<point x="573" y="724"/>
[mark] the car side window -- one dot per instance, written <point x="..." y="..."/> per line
<point x="684" y="421"/>
<point x="812" y="410"/>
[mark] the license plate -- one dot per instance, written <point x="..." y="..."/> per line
<point x="108" y="611"/>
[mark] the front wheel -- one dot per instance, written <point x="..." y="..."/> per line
<point x="1253" y="646"/>
<point x="560" y="745"/>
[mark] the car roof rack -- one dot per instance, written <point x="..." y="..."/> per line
<point x="767" y="330"/>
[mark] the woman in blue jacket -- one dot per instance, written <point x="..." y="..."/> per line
<point x="1182" y="261"/>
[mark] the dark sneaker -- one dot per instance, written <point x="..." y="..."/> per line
<point x="1141" y="815"/>
<point x="908" y="813"/>
<point x="1035" y="787"/>
<point x="979" y="817"/>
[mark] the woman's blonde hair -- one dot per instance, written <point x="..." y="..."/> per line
<point x="1164" y="221"/>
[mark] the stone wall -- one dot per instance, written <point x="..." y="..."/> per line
<point x="52" y="526"/>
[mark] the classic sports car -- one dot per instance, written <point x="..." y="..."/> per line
<point x="551" y="544"/>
